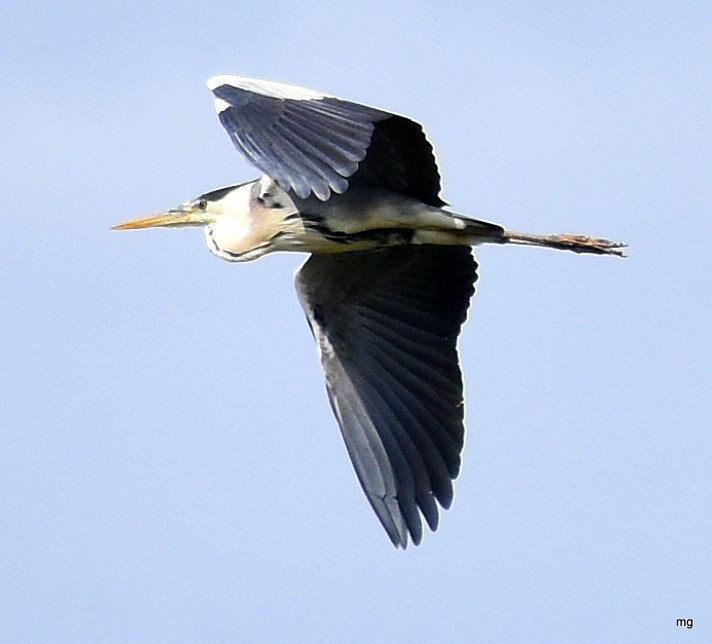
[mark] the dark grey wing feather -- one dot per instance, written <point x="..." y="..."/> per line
<point x="401" y="159"/>
<point x="310" y="142"/>
<point x="386" y="323"/>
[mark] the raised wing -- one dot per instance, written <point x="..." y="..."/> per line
<point x="310" y="142"/>
<point x="386" y="324"/>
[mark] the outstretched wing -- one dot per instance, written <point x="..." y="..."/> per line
<point x="310" y="142"/>
<point x="386" y="323"/>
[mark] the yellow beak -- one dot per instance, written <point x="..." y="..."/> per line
<point x="186" y="215"/>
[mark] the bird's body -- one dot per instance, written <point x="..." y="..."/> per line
<point x="388" y="283"/>
<point x="259" y="217"/>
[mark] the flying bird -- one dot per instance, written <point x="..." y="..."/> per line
<point x="387" y="284"/>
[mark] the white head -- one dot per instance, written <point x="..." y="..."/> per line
<point x="238" y="224"/>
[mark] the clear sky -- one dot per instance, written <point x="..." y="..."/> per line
<point x="170" y="470"/>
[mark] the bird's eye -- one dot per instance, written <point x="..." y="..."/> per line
<point x="202" y="204"/>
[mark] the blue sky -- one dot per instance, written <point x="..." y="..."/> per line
<point x="169" y="467"/>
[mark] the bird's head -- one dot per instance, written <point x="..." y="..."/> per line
<point x="206" y="209"/>
<point x="236" y="228"/>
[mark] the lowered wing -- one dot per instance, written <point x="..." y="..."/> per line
<point x="386" y="324"/>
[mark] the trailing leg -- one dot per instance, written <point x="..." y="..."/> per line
<point x="575" y="243"/>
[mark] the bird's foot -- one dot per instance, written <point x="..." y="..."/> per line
<point x="584" y="244"/>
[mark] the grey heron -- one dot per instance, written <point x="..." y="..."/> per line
<point x="387" y="284"/>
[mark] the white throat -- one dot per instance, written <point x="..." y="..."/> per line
<point x="247" y="220"/>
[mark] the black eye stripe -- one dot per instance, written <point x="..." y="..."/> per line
<point x="219" y="193"/>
